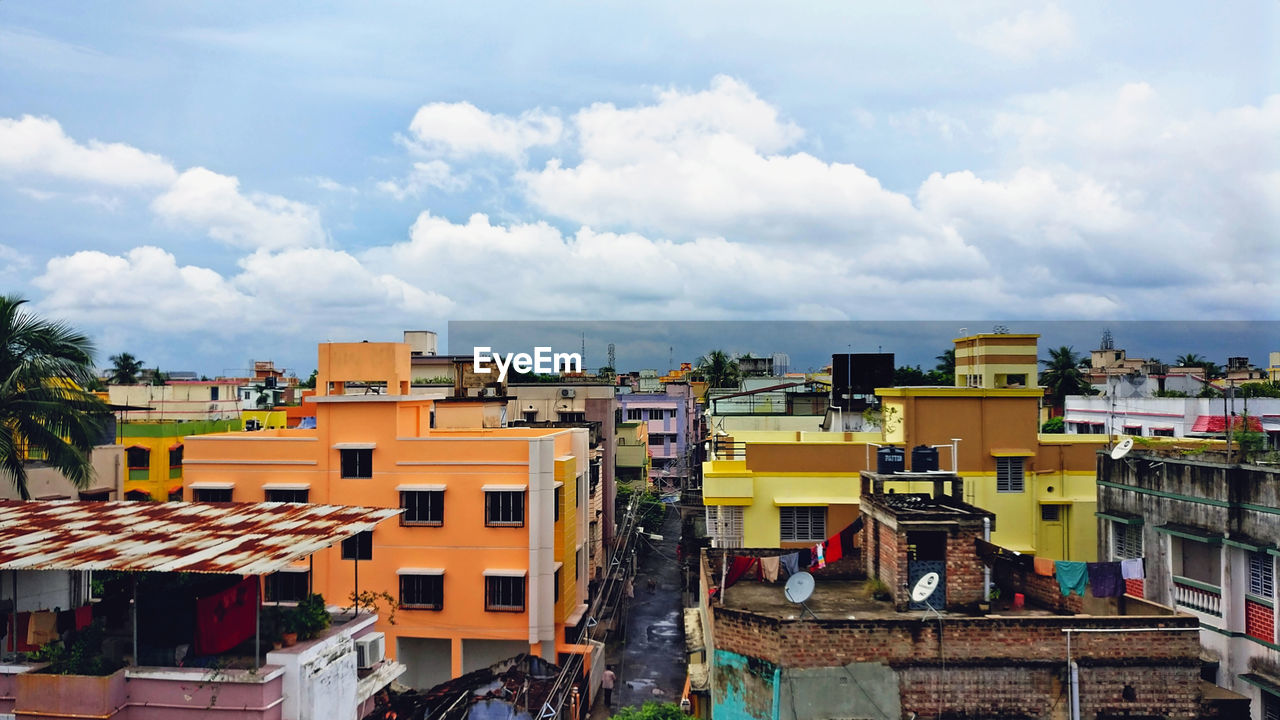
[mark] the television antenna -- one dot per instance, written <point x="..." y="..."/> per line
<point x="923" y="590"/>
<point x="1122" y="448"/>
<point x="798" y="589"/>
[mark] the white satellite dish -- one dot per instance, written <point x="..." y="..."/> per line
<point x="799" y="587"/>
<point x="1122" y="448"/>
<point x="925" y="587"/>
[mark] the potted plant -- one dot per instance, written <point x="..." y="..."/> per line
<point x="312" y="616"/>
<point x="289" y="628"/>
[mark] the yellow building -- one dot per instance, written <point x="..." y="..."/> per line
<point x="153" y="455"/>
<point x="996" y="360"/>
<point x="631" y="458"/>
<point x="791" y="489"/>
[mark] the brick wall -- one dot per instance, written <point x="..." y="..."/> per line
<point x="1134" y="588"/>
<point x="1259" y="621"/>
<point x="964" y="570"/>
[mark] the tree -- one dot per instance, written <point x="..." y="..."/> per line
<point x="1054" y="425"/>
<point x="946" y="367"/>
<point x="159" y="378"/>
<point x="1211" y="369"/>
<point x="44" y="411"/>
<point x="718" y="369"/>
<point x="124" y="370"/>
<point x="310" y="382"/>
<point x="1062" y="376"/>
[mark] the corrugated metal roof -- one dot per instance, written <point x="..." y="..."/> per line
<point x="241" y="538"/>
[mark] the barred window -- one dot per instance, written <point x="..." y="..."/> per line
<point x="357" y="463"/>
<point x="1126" y="541"/>
<point x="358" y="546"/>
<point x="1009" y="477"/>
<point x="287" y="496"/>
<point x="504" y="508"/>
<point x="1262" y="582"/>
<point x="422" y="507"/>
<point x="422" y="592"/>
<point x="803" y="524"/>
<point x="724" y="523"/>
<point x="504" y="594"/>
<point x="286" y="586"/>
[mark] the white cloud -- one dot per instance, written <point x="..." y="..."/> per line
<point x="461" y="129"/>
<point x="433" y="174"/>
<point x="1047" y="29"/>
<point x="39" y="147"/>
<point x="331" y="185"/>
<point x="213" y="202"/>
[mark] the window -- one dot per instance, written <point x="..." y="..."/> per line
<point x="213" y="393"/>
<point x="504" y="594"/>
<point x="1133" y="430"/>
<point x="422" y="507"/>
<point x="175" y="462"/>
<point x="357" y="463"/>
<point x="1019" y="379"/>
<point x="287" y="496"/>
<point x="286" y="586"/>
<point x="724" y="523"/>
<point x="1009" y="476"/>
<point x="803" y="524"/>
<point x="573" y="417"/>
<point x="358" y="547"/>
<point x="1098" y="429"/>
<point x="504" y="508"/>
<point x="657" y="439"/>
<point x="530" y="416"/>
<point x="1262" y="582"/>
<point x="1198" y="561"/>
<point x="211" y="494"/>
<point x="556" y="593"/>
<point x="559" y="498"/>
<point x="139" y="461"/>
<point x="1049" y="513"/>
<point x="634" y="414"/>
<point x="422" y="592"/>
<point x="1126" y="541"/>
<point x="1161" y="432"/>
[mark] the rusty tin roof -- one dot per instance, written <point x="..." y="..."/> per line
<point x="241" y="538"/>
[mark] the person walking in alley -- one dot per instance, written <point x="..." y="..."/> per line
<point x="606" y="683"/>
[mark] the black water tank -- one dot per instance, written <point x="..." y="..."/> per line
<point x="924" y="458"/>
<point x="890" y="460"/>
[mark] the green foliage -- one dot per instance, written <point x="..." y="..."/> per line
<point x="83" y="656"/>
<point x="159" y="378"/>
<point x="1211" y="369"/>
<point x="1252" y="442"/>
<point x="436" y="380"/>
<point x="606" y="372"/>
<point x="946" y="367"/>
<point x="43" y="410"/>
<point x="651" y="509"/>
<point x="124" y="370"/>
<point x="1209" y="391"/>
<point x="1062" y="375"/>
<point x="1259" y="389"/>
<point x="718" y="370"/>
<point x="1169" y="394"/>
<point x="907" y="376"/>
<point x="372" y="601"/>
<point x="1054" y="425"/>
<point x="652" y="710"/>
<point x="309" y="618"/>
<point x="310" y="382"/>
<point x="877" y="589"/>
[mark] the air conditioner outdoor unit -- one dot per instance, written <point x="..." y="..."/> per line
<point x="370" y="650"/>
<point x="568" y="392"/>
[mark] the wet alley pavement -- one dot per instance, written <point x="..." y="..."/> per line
<point x="650" y="662"/>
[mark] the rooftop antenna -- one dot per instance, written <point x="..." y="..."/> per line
<point x="923" y="590"/>
<point x="612" y="359"/>
<point x="798" y="589"/>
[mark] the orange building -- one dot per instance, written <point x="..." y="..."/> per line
<point x="487" y="559"/>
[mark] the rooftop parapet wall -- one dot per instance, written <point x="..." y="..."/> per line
<point x="965" y="640"/>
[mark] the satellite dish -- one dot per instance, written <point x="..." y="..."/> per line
<point x="925" y="587"/>
<point x="1122" y="448"/>
<point x="799" y="587"/>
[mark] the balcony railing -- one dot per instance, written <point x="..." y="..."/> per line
<point x="1197" y="596"/>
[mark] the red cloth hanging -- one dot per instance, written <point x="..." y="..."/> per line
<point x="834" y="551"/>
<point x="84" y="616"/>
<point x="226" y="619"/>
<point x="738" y="567"/>
<point x="18" y="636"/>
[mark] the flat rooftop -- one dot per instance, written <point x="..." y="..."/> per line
<point x="836" y="600"/>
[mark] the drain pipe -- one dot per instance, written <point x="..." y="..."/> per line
<point x="986" y="569"/>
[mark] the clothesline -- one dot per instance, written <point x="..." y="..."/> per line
<point x="768" y="569"/>
<point x="1105" y="579"/>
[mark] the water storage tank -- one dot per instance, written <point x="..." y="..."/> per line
<point x="890" y="460"/>
<point x="924" y="458"/>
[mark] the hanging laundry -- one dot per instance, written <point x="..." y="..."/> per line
<point x="1132" y="569"/>
<point x="1043" y="566"/>
<point x="791" y="563"/>
<point x="848" y="534"/>
<point x="1105" y="579"/>
<point x="227" y="618"/>
<point x="43" y="628"/>
<point x="769" y="568"/>
<point x="835" y="549"/>
<point x="805" y="558"/>
<point x="1073" y="576"/>
<point x="738" y="566"/>
<point x="20" y="632"/>
<point x="819" y="557"/>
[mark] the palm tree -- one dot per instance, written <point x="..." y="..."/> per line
<point x="125" y="369"/>
<point x="946" y="367"/>
<point x="1062" y="376"/>
<point x="43" y="410"/>
<point x="1189" y="360"/>
<point x="718" y="369"/>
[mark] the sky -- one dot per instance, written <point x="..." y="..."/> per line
<point x="203" y="184"/>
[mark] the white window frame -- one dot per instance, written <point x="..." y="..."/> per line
<point x="725" y="525"/>
<point x="1126" y="541"/>
<point x="1262" y="575"/>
